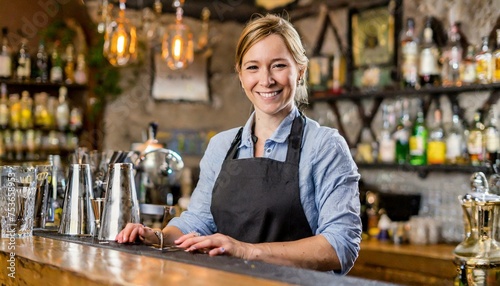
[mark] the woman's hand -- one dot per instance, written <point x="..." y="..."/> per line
<point x="132" y="231"/>
<point x="215" y="244"/>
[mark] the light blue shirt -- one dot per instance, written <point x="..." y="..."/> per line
<point x="328" y="179"/>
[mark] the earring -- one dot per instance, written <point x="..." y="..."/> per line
<point x="300" y="81"/>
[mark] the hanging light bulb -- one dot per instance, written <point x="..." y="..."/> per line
<point x="177" y="45"/>
<point x="120" y="40"/>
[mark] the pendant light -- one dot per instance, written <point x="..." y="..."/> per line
<point x="177" y="45"/>
<point x="120" y="40"/>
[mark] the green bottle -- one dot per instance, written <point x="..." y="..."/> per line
<point x="402" y="135"/>
<point x="418" y="139"/>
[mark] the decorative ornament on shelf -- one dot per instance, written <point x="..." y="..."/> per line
<point x="120" y="40"/>
<point x="178" y="46"/>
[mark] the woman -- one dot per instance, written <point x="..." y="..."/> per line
<point x="281" y="189"/>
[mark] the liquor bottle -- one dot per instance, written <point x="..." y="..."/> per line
<point x="436" y="146"/>
<point x="387" y="144"/>
<point x="469" y="66"/>
<point x="14" y="111"/>
<point x="42" y="64"/>
<point x="409" y="55"/>
<point x="475" y="145"/>
<point x="69" y="66"/>
<point x="496" y="59"/>
<point x="26" y="115"/>
<point x="484" y="70"/>
<point x="491" y="136"/>
<point x="418" y="139"/>
<point x="41" y="112"/>
<point x="75" y="119"/>
<point x="56" y="70"/>
<point x="5" y="55"/>
<point x="429" y="74"/>
<point x="455" y="140"/>
<point x="452" y="59"/>
<point x="62" y="110"/>
<point x="81" y="70"/>
<point x="23" y="62"/>
<point x="4" y="107"/>
<point x="401" y="135"/>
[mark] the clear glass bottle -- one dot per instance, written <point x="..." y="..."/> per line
<point x="452" y="59"/>
<point x="69" y="65"/>
<point x="455" y="140"/>
<point x="62" y="111"/>
<point x="429" y="74"/>
<point x="81" y="70"/>
<point x="5" y="55"/>
<point x="409" y="55"/>
<point x="419" y="139"/>
<point x="23" y="62"/>
<point x="387" y="144"/>
<point x="42" y="64"/>
<point x="475" y="141"/>
<point x="469" y="66"/>
<point x="41" y="112"/>
<point x="4" y="107"/>
<point x="75" y="119"/>
<point x="484" y="70"/>
<point x="491" y="136"/>
<point x="56" y="70"/>
<point x="402" y="133"/>
<point x="496" y="59"/>
<point x="436" y="146"/>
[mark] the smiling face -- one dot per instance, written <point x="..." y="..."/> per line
<point x="269" y="76"/>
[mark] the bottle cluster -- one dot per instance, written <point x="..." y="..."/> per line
<point x="59" y="65"/>
<point x="31" y="128"/>
<point x="417" y="141"/>
<point x="454" y="63"/>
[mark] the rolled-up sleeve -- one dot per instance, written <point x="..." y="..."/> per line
<point x="335" y="179"/>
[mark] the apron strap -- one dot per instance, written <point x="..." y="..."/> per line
<point x="295" y="139"/>
<point x="233" y="150"/>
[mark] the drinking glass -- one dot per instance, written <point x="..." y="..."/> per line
<point x="17" y="200"/>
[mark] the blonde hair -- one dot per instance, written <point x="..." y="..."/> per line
<point x="263" y="26"/>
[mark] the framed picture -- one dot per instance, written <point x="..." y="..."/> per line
<point x="190" y="84"/>
<point x="373" y="37"/>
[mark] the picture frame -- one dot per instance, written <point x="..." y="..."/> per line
<point x="373" y="40"/>
<point x="189" y="84"/>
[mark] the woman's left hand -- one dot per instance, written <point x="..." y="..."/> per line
<point x="215" y="244"/>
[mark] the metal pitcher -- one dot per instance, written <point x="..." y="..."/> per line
<point x="121" y="205"/>
<point x="77" y="216"/>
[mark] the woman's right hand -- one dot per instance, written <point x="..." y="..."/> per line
<point x="134" y="231"/>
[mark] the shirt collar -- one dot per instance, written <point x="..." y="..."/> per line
<point x="279" y="136"/>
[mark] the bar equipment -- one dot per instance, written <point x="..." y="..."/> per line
<point x="17" y="200"/>
<point x="44" y="177"/>
<point x="479" y="253"/>
<point x="97" y="208"/>
<point x="121" y="205"/>
<point x="77" y="216"/>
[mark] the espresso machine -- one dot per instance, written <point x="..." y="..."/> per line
<point x="158" y="171"/>
<point x="478" y="255"/>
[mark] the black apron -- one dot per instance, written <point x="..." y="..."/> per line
<point x="258" y="199"/>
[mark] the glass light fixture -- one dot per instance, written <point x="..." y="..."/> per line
<point x="177" y="45"/>
<point x="120" y="40"/>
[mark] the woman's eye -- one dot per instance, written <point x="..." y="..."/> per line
<point x="279" y="66"/>
<point x="251" y="67"/>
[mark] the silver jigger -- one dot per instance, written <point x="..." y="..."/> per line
<point x="121" y="205"/>
<point x="77" y="216"/>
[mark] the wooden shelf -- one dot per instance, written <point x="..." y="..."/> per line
<point x="41" y="85"/>
<point x="424" y="170"/>
<point x="328" y="95"/>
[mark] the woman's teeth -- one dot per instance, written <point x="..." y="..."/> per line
<point x="268" y="94"/>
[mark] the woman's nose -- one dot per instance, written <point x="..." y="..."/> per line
<point x="266" y="78"/>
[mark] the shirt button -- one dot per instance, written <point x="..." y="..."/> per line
<point x="268" y="150"/>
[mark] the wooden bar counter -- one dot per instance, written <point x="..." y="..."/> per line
<point x="40" y="260"/>
<point x="406" y="264"/>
